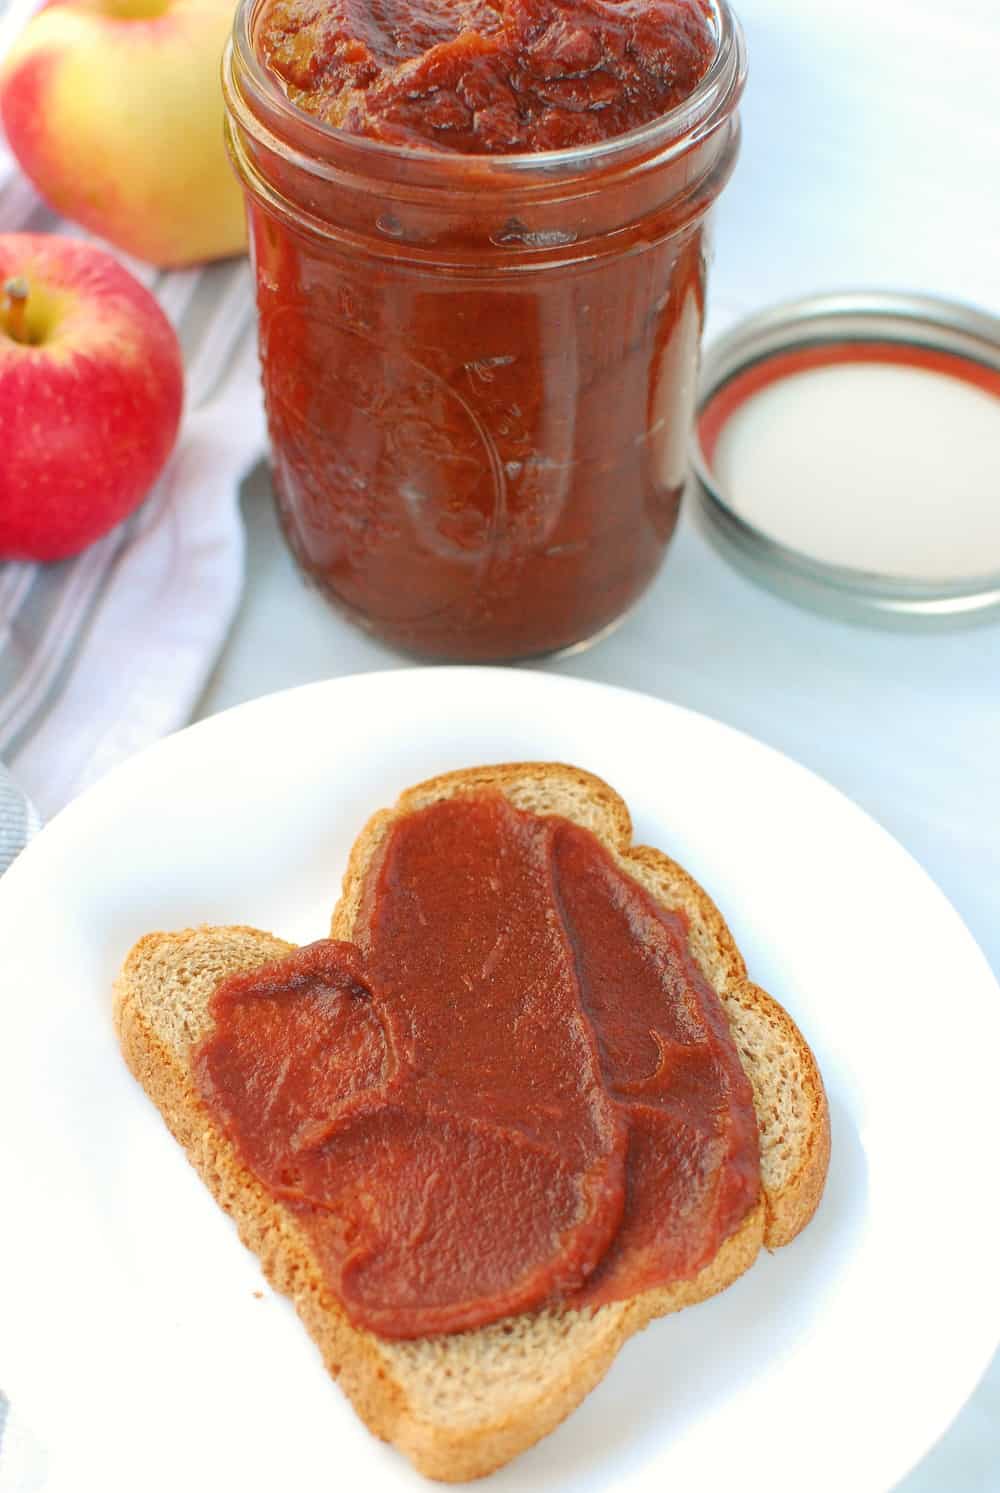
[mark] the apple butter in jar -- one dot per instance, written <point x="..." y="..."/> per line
<point x="478" y="229"/>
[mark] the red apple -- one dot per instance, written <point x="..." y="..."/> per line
<point x="91" y="386"/>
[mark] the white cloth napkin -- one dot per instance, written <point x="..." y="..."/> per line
<point x="18" y="819"/>
<point x="22" y="1456"/>
<point x="104" y="653"/>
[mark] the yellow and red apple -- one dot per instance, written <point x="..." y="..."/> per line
<point x="114" y="110"/>
<point x="91" y="388"/>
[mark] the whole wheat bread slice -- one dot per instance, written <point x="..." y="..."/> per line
<point x="460" y="1406"/>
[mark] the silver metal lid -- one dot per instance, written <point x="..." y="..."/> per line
<point x="839" y="335"/>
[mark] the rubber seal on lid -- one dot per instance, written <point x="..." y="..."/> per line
<point x="847" y="454"/>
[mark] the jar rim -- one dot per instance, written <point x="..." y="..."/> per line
<point x="715" y="96"/>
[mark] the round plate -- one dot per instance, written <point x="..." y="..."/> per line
<point x="141" y="1345"/>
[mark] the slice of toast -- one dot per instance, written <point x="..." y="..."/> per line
<point x="462" y="1405"/>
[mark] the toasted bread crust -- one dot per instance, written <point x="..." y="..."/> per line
<point x="463" y="1405"/>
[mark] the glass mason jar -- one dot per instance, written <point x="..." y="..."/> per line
<point x="479" y="371"/>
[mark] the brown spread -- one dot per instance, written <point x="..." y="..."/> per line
<point x="515" y="1088"/>
<point x="487" y="76"/>
<point x="479" y="376"/>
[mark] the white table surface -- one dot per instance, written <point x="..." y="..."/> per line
<point x="871" y="157"/>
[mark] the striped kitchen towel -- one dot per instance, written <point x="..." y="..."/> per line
<point x="18" y="819"/>
<point x="22" y="1456"/>
<point x="102" y="654"/>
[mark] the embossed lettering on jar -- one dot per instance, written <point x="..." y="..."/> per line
<point x="479" y="366"/>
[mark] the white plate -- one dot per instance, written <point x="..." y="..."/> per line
<point x="135" y="1341"/>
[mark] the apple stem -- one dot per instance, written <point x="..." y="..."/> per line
<point x="15" y="319"/>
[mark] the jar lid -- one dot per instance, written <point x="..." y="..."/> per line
<point x="847" y="454"/>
